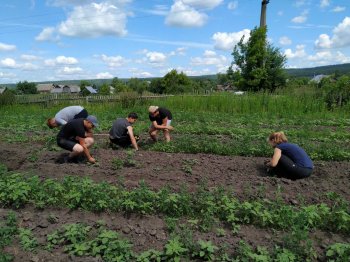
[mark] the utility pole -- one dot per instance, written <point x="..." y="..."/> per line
<point x="263" y="12"/>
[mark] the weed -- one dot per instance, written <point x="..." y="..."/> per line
<point x="27" y="240"/>
<point x="117" y="163"/>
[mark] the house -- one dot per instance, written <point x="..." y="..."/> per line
<point x="91" y="90"/>
<point x="59" y="89"/>
<point x="45" y="88"/>
<point x="317" y="79"/>
<point x="3" y="90"/>
<point x="225" y="87"/>
<point x="75" y="89"/>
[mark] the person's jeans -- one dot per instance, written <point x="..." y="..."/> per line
<point x="288" y="169"/>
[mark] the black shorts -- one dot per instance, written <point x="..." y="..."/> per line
<point x="67" y="144"/>
<point x="123" y="141"/>
<point x="82" y="114"/>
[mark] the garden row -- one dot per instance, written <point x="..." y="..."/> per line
<point x="96" y="241"/>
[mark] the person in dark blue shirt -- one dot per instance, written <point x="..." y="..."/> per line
<point x="288" y="160"/>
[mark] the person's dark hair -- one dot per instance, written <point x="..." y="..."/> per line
<point x="133" y="115"/>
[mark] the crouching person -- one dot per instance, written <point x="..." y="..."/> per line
<point x="288" y="160"/>
<point x="122" y="133"/>
<point x="76" y="136"/>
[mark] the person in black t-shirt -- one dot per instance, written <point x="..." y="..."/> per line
<point x="76" y="136"/>
<point x="122" y="133"/>
<point x="161" y="120"/>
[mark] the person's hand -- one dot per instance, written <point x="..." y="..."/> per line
<point x="92" y="160"/>
<point x="169" y="128"/>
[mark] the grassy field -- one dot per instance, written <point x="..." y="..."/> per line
<point x="218" y="124"/>
<point x="207" y="224"/>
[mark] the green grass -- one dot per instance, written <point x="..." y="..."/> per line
<point x="219" y="124"/>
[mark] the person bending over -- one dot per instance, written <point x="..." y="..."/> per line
<point x="65" y="115"/>
<point x="122" y="133"/>
<point x="161" y="120"/>
<point x="76" y="136"/>
<point x="288" y="160"/>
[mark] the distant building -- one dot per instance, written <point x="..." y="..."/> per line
<point x="3" y="90"/>
<point x="45" y="88"/>
<point x="317" y="79"/>
<point x="91" y="90"/>
<point x="66" y="89"/>
<point x="225" y="87"/>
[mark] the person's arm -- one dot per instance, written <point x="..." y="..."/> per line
<point x="86" y="150"/>
<point x="163" y="125"/>
<point x="275" y="158"/>
<point x="132" y="138"/>
<point x="60" y="121"/>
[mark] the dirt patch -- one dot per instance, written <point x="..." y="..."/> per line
<point x="245" y="176"/>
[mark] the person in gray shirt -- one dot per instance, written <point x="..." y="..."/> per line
<point x="122" y="133"/>
<point x="66" y="114"/>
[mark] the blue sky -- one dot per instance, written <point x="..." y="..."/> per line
<point x="50" y="40"/>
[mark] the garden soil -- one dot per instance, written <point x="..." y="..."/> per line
<point x="244" y="176"/>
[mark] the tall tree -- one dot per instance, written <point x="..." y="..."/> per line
<point x="260" y="65"/>
<point x="176" y="83"/>
<point x="26" y="88"/>
<point x="118" y="85"/>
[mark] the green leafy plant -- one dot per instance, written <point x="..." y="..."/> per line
<point x="174" y="250"/>
<point x="205" y="251"/>
<point x="27" y="240"/>
<point x="117" y="163"/>
<point x="338" y="252"/>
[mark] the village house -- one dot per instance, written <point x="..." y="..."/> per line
<point x="2" y="90"/>
<point x="44" y="88"/>
<point x="65" y="89"/>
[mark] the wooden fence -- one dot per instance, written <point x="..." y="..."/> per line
<point x="54" y="98"/>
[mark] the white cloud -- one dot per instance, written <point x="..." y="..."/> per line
<point x="340" y="38"/>
<point x="302" y="18"/>
<point x="323" y="41"/>
<point x="104" y="75"/>
<point x="232" y="5"/>
<point x="70" y="70"/>
<point x="5" y="47"/>
<point x="284" y="40"/>
<point x="338" y="9"/>
<point x="61" y="60"/>
<point x="30" y="57"/>
<point x="209" y="4"/>
<point x="143" y="74"/>
<point x="95" y="20"/>
<point x="300" y="3"/>
<point x="29" y="67"/>
<point x="185" y="16"/>
<point x="226" y="41"/>
<point x="210" y="58"/>
<point x="156" y="57"/>
<point x="161" y="10"/>
<point x="6" y="75"/>
<point x="9" y="63"/>
<point x="299" y="52"/>
<point x="66" y="60"/>
<point x="327" y="57"/>
<point x="48" y="34"/>
<point x="324" y="3"/>
<point x="113" y="61"/>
